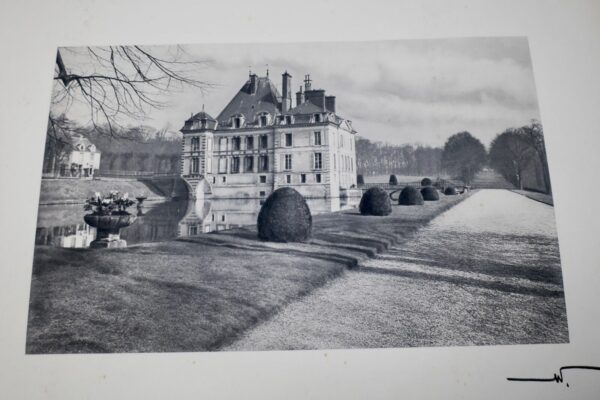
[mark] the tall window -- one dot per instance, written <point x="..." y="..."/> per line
<point x="235" y="165"/>
<point x="236" y="143"/>
<point x="317" y="137"/>
<point x="237" y="122"/>
<point x="248" y="163"/>
<point x="195" y="165"/>
<point x="264" y="141"/>
<point x="263" y="163"/>
<point x="195" y="144"/>
<point x="288" y="140"/>
<point x="222" y="165"/>
<point x="318" y="178"/>
<point x="223" y="144"/>
<point x="302" y="178"/>
<point x="318" y="161"/>
<point x="249" y="142"/>
<point x="288" y="179"/>
<point x="288" y="162"/>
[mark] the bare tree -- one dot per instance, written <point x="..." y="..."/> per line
<point x="511" y="152"/>
<point x="121" y="81"/>
<point x="535" y="135"/>
<point x="58" y="143"/>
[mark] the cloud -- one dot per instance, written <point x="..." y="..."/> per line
<point x="396" y="91"/>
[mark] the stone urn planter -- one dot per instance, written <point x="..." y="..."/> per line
<point x="108" y="228"/>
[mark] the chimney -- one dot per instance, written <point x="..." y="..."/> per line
<point x="317" y="97"/>
<point x="307" y="83"/>
<point x="286" y="88"/>
<point x="253" y="83"/>
<point x="299" y="97"/>
<point x="330" y="103"/>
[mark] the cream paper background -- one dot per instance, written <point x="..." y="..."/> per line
<point x="563" y="39"/>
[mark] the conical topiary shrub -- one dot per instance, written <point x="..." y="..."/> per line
<point x="393" y="180"/>
<point x="426" y="182"/>
<point x="360" y="180"/>
<point x="449" y="191"/>
<point x="430" y="193"/>
<point x="410" y="196"/>
<point x="375" y="201"/>
<point x="284" y="217"/>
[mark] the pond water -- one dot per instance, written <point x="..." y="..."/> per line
<point x="63" y="226"/>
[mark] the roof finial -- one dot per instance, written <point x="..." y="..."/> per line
<point x="267" y="70"/>
<point x="249" y="70"/>
<point x="202" y="107"/>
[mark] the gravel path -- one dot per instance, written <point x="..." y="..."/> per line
<point x="485" y="272"/>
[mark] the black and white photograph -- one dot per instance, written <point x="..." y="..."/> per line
<point x="295" y="196"/>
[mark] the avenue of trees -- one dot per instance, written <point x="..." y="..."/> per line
<point x="519" y="155"/>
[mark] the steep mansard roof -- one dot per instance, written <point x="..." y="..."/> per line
<point x="305" y="108"/>
<point x="195" y="122"/>
<point x="266" y="98"/>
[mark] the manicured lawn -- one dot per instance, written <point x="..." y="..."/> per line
<point x="200" y="294"/>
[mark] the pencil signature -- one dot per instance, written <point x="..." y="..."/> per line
<point x="558" y="378"/>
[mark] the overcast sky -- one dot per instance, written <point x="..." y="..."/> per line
<point x="417" y="91"/>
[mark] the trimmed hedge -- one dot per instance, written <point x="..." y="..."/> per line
<point x="426" y="182"/>
<point x="410" y="196"/>
<point x="449" y="191"/>
<point x="375" y="201"/>
<point x="360" y="180"/>
<point x="284" y="217"/>
<point x="393" y="180"/>
<point x="430" y="193"/>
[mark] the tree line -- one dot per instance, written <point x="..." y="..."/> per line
<point x="378" y="158"/>
<point x="518" y="154"/>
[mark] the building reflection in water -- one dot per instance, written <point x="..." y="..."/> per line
<point x="63" y="226"/>
<point x="220" y="214"/>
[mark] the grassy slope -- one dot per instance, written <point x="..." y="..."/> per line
<point x="198" y="294"/>
<point x="77" y="190"/>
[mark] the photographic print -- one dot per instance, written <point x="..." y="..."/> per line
<point x="243" y="197"/>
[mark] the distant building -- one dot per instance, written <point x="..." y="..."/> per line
<point x="260" y="142"/>
<point x="80" y="158"/>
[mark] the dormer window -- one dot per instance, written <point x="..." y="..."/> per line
<point x="288" y="120"/>
<point x="203" y="123"/>
<point x="317" y="118"/>
<point x="263" y="119"/>
<point x="237" y="121"/>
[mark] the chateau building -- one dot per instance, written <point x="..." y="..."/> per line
<point x="261" y="141"/>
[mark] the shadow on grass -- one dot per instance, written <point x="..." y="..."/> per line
<point x="478" y="283"/>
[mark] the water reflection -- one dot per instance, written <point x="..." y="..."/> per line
<point x="63" y="226"/>
<point x="220" y="214"/>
